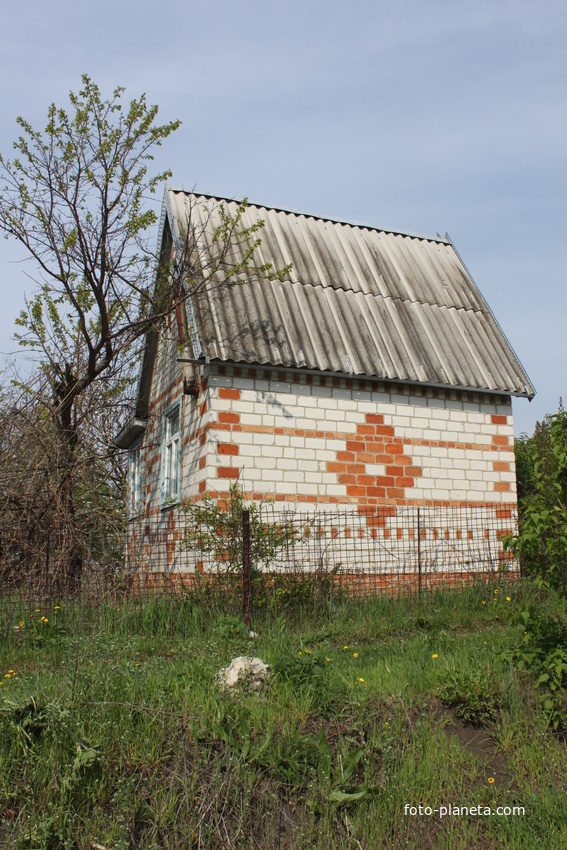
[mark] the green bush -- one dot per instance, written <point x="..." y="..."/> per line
<point x="543" y="649"/>
<point x="541" y="543"/>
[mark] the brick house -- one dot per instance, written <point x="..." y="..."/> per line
<point x="374" y="375"/>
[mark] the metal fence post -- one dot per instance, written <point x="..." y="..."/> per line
<point x="419" y="552"/>
<point x="246" y="588"/>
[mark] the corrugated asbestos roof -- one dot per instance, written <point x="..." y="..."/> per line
<point x="358" y="300"/>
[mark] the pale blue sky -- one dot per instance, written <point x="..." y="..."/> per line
<point x="427" y="117"/>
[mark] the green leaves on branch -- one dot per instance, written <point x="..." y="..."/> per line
<point x="74" y="197"/>
<point x="543" y="650"/>
<point x="542" y="541"/>
<point x="216" y="530"/>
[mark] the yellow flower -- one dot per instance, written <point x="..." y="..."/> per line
<point x="57" y="608"/>
<point x="328" y="659"/>
<point x="6" y="675"/>
<point x="386" y="724"/>
<point x="496" y="590"/>
<point x="483" y="602"/>
<point x="345" y="647"/>
<point x="435" y="655"/>
<point x="300" y="652"/>
<point x="355" y="654"/>
<point x="361" y="680"/>
<point x="45" y="620"/>
<point x="485" y="643"/>
<point x="13" y="672"/>
<point x="37" y="610"/>
<point x="508" y="599"/>
<point x="21" y="624"/>
<point x="491" y="780"/>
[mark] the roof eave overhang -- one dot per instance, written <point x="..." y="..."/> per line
<point x="130" y="433"/>
<point x="526" y="393"/>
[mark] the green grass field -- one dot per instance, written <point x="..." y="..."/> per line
<point x="114" y="734"/>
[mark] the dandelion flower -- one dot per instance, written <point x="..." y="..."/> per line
<point x="485" y="643"/>
<point x="328" y="659"/>
<point x="45" y="620"/>
<point x="37" y="610"/>
<point x="508" y="599"/>
<point x="345" y="647"/>
<point x="6" y="675"/>
<point x="435" y="655"/>
<point x="483" y="602"/>
<point x="57" y="608"/>
<point x="491" y="780"/>
<point x="386" y="724"/>
<point x="300" y="652"/>
<point x="21" y="624"/>
<point x="495" y="590"/>
<point x="361" y="680"/>
<point x="355" y="654"/>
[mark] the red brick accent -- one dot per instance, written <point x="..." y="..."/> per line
<point x="500" y="440"/>
<point x="501" y="466"/>
<point x="228" y="417"/>
<point x="228" y="472"/>
<point x="502" y="486"/>
<point x="227" y="449"/>
<point x="374" y="443"/>
<point x="228" y="392"/>
<point x="499" y="420"/>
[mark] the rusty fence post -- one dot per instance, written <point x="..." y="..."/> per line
<point x="246" y="587"/>
<point x="419" y="552"/>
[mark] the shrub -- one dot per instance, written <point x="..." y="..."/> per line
<point x="542" y="540"/>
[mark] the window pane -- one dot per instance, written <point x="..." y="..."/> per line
<point x="171" y="454"/>
<point x="173" y="423"/>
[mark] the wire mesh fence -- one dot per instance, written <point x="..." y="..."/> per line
<point x="392" y="549"/>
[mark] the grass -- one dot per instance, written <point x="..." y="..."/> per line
<point x="114" y="734"/>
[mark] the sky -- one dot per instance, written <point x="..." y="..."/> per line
<point x="429" y="117"/>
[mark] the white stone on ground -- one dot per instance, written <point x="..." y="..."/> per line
<point x="251" y="672"/>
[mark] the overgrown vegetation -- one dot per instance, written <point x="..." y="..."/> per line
<point x="541" y="545"/>
<point x="542" y="491"/>
<point x="113" y="731"/>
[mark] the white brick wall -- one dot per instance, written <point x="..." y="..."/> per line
<point x="297" y="432"/>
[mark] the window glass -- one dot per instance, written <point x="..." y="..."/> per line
<point x="134" y="480"/>
<point x="171" y="456"/>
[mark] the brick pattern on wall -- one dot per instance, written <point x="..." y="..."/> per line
<point x="322" y="441"/>
<point x="299" y="438"/>
<point x="375" y="466"/>
<point x="385" y="547"/>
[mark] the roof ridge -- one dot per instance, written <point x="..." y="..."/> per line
<point x="443" y="240"/>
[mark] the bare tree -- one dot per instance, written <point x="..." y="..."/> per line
<point x="38" y="535"/>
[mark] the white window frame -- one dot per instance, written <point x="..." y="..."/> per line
<point x="171" y="455"/>
<point x="135" y="479"/>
